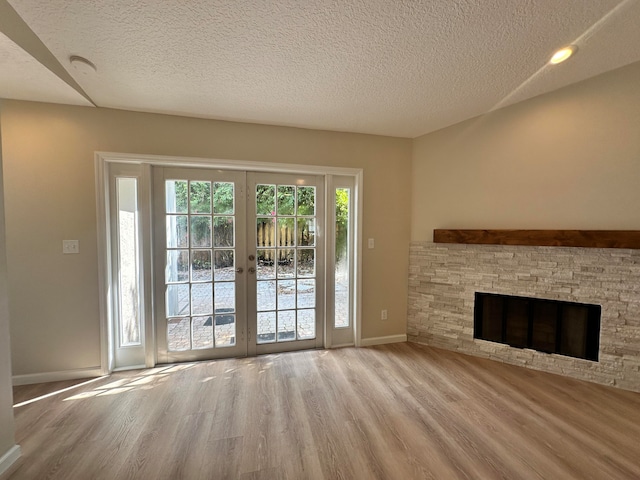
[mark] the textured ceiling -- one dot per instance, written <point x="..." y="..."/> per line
<point x="24" y="78"/>
<point x="402" y="67"/>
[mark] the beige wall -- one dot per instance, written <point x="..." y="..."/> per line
<point x="50" y="196"/>
<point x="565" y="160"/>
<point x="569" y="159"/>
<point x="7" y="429"/>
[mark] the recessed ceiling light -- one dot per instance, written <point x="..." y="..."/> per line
<point x="82" y="65"/>
<point x="563" y="54"/>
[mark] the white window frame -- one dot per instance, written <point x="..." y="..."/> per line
<point x="331" y="332"/>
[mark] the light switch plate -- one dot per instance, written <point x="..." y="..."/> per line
<point x="70" y="246"/>
<point x="371" y="243"/>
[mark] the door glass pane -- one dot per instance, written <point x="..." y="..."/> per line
<point x="266" y="264"/>
<point x="225" y="265"/>
<point x="177" y="267"/>
<point x="286" y="325"/>
<point x="223" y="198"/>
<point x="266" y="232"/>
<point x="266" y="327"/>
<point x="286" y="232"/>
<point x="225" y="297"/>
<point x="266" y="199"/>
<point x="342" y="272"/>
<point x="200" y="265"/>
<point x="223" y="232"/>
<point x="306" y="324"/>
<point x="306" y="293"/>
<point x="225" y="330"/>
<point x="306" y="200"/>
<point x="286" y="200"/>
<point x="306" y="232"/>
<point x="306" y="262"/>
<point x="200" y="197"/>
<point x="266" y="295"/>
<point x="177" y="231"/>
<point x="128" y="273"/>
<point x="176" y="196"/>
<point x="201" y="231"/>
<point x="201" y="299"/>
<point x="202" y="332"/>
<point x="286" y="294"/>
<point x="177" y="300"/>
<point x="286" y="264"/>
<point x="178" y="334"/>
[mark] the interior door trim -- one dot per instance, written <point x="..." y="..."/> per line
<point x="103" y="159"/>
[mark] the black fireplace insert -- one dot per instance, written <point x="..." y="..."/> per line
<point x="550" y="326"/>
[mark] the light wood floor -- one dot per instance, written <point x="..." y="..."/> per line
<point x="400" y="411"/>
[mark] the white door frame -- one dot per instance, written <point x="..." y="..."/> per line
<point x="102" y="162"/>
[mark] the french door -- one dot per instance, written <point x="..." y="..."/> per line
<point x="199" y="231"/>
<point x="239" y="263"/>
<point x="286" y="262"/>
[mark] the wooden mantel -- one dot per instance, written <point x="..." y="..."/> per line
<point x="551" y="238"/>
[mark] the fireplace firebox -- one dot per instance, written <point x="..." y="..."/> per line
<point x="550" y="326"/>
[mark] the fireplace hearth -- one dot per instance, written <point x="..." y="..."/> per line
<point x="549" y="326"/>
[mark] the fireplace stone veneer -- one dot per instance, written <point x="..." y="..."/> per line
<point x="443" y="280"/>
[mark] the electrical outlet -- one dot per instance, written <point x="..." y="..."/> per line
<point x="383" y="314"/>
<point x="70" y="246"/>
<point x="371" y="243"/>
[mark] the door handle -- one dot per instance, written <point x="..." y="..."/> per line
<point x="252" y="258"/>
<point x="252" y="270"/>
<point x="239" y="270"/>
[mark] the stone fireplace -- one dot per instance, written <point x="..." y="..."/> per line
<point x="445" y="278"/>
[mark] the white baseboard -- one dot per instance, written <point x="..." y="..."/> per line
<point x="343" y="345"/>
<point x="9" y="458"/>
<point x="368" y="342"/>
<point x="57" y="376"/>
<point x="132" y="367"/>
